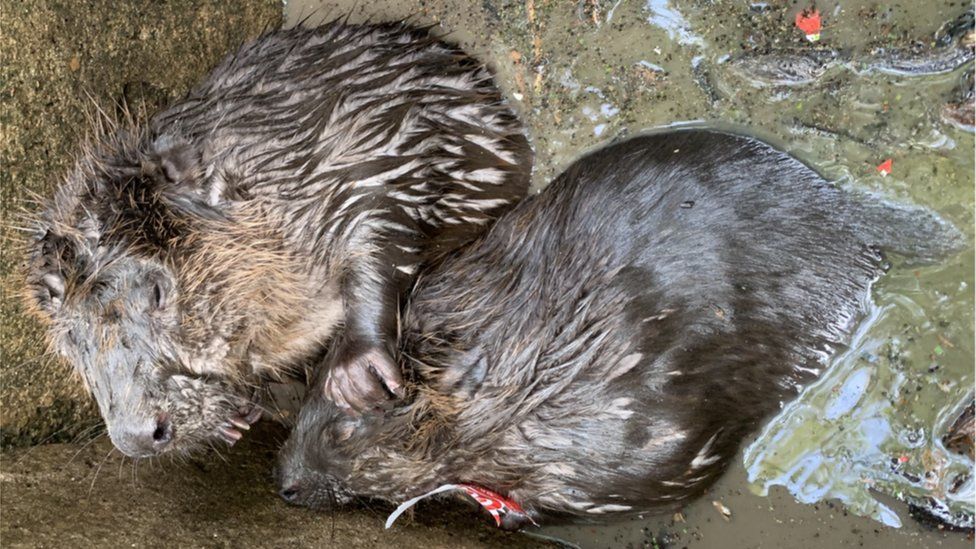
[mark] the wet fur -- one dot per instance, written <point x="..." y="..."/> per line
<point x="606" y="346"/>
<point x="289" y="197"/>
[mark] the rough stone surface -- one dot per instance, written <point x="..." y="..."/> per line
<point x="59" y="59"/>
<point x="57" y="495"/>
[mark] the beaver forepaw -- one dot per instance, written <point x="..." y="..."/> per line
<point x="365" y="382"/>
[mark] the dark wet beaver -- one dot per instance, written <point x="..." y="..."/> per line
<point x="606" y="346"/>
<point x="294" y="191"/>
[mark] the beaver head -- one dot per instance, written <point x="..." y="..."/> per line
<point x="332" y="458"/>
<point x="314" y="469"/>
<point x="159" y="296"/>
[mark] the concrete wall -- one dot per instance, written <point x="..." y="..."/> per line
<point x="54" y="55"/>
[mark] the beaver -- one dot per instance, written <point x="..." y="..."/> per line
<point x="603" y="349"/>
<point x="282" y="207"/>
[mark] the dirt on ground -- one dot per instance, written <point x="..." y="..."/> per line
<point x="64" y="495"/>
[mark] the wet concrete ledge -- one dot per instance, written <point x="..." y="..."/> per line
<point x="87" y="495"/>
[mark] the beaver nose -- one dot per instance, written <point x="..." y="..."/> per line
<point x="291" y="494"/>
<point x="146" y="439"/>
<point x="162" y="435"/>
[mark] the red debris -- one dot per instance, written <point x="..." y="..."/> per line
<point x="884" y="168"/>
<point x="493" y="502"/>
<point x="808" y="21"/>
<point x="496" y="504"/>
<point x="903" y="459"/>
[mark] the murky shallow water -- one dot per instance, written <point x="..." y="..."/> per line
<point x="585" y="72"/>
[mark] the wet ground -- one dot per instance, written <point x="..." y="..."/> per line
<point x="86" y="495"/>
<point x="773" y="521"/>
<point x="582" y="73"/>
<point x="76" y="495"/>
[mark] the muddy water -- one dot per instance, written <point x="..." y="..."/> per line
<point x="835" y="460"/>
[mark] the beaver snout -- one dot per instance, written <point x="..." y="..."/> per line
<point x="139" y="438"/>
<point x="310" y="489"/>
<point x="291" y="494"/>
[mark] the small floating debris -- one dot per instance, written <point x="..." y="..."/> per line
<point x="516" y="57"/>
<point x="808" y="21"/>
<point x="649" y="73"/>
<point x="723" y="510"/>
<point x="884" y="168"/>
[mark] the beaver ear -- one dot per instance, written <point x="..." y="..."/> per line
<point x="345" y="428"/>
<point x="45" y="276"/>
<point x="177" y="160"/>
<point x="49" y="292"/>
<point x="160" y="293"/>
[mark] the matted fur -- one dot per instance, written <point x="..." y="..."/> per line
<point x="606" y="346"/>
<point x="292" y="193"/>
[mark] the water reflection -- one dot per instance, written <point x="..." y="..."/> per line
<point x="662" y="14"/>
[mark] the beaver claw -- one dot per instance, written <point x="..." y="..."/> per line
<point x="364" y="383"/>
<point x="230" y="430"/>
<point x="229" y="434"/>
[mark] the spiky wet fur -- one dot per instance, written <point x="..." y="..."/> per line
<point x="299" y="186"/>
<point x="606" y="346"/>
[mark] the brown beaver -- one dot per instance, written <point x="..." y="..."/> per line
<point x="606" y="346"/>
<point x="294" y="191"/>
